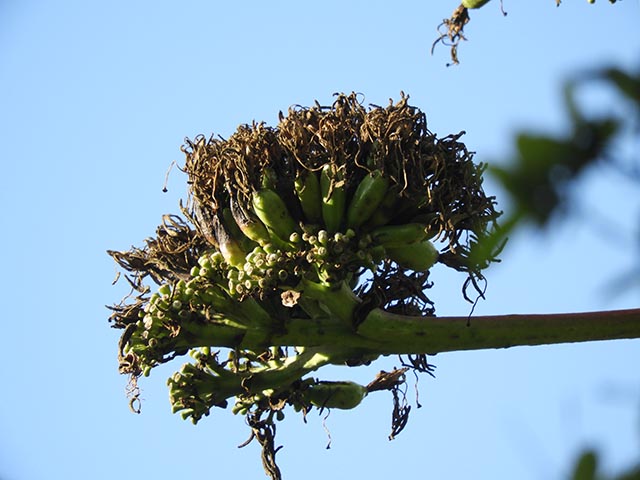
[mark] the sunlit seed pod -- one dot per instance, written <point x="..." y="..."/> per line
<point x="249" y="284"/>
<point x="232" y="274"/>
<point x="204" y="272"/>
<point x="305" y="237"/>
<point x="146" y="371"/>
<point x="260" y="263"/>
<point x="338" y="237"/>
<point x="176" y="305"/>
<point x="323" y="237"/>
<point x="418" y="256"/>
<point x="263" y="283"/>
<point x="294" y="237"/>
<point x="342" y="395"/>
<point x="272" y="259"/>
<point x="248" y="268"/>
<point x="148" y="322"/>
<point x="186" y="413"/>
<point x="307" y="188"/>
<point x="216" y="258"/>
<point x="270" y="248"/>
<point x="204" y="261"/>
<point x="240" y="276"/>
<point x="195" y="271"/>
<point x="162" y="305"/>
<point x="322" y="252"/>
<point x="273" y="211"/>
<point x="189" y="292"/>
<point x="240" y="290"/>
<point x="165" y="290"/>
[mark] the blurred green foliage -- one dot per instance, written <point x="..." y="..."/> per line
<point x="544" y="168"/>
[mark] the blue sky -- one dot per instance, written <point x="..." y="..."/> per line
<point x="96" y="100"/>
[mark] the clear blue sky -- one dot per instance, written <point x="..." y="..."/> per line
<point x="95" y="101"/>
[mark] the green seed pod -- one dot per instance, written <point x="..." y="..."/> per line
<point x="270" y="248"/>
<point x="165" y="290"/>
<point x="273" y="212"/>
<point x="204" y="261"/>
<point x="399" y="235"/>
<point x="323" y="237"/>
<point x="333" y="198"/>
<point x="474" y="3"/>
<point x="272" y="259"/>
<point x="230" y="248"/>
<point x="307" y="189"/>
<point x="342" y="395"/>
<point x="386" y="211"/>
<point x="249" y="224"/>
<point x="294" y="237"/>
<point x="366" y="199"/>
<point x="418" y="256"/>
<point x="216" y="258"/>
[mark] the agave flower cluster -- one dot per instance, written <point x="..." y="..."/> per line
<point x="295" y="236"/>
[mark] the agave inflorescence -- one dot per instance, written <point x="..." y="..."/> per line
<point x="294" y="237"/>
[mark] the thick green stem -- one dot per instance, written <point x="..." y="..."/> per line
<point x="386" y="333"/>
<point x="401" y="334"/>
